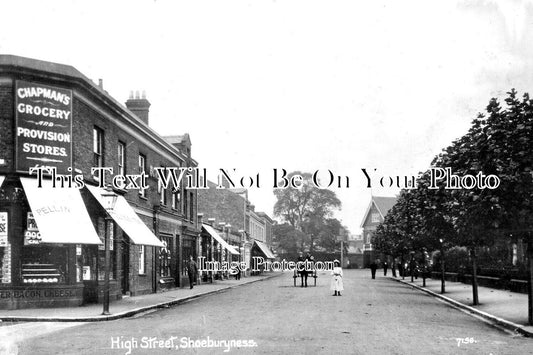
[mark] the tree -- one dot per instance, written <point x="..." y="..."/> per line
<point x="498" y="143"/>
<point x="287" y="238"/>
<point x="329" y="230"/>
<point x="306" y="208"/>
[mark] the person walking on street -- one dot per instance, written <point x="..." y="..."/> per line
<point x="301" y="270"/>
<point x="385" y="267"/>
<point x="373" y="268"/>
<point x="192" y="270"/>
<point x="336" y="280"/>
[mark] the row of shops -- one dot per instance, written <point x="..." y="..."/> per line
<point x="53" y="231"/>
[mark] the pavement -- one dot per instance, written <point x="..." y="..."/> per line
<point x="502" y="307"/>
<point x="127" y="306"/>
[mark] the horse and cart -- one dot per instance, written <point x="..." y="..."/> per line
<point x="305" y="270"/>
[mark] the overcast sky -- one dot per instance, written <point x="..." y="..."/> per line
<point x="300" y="85"/>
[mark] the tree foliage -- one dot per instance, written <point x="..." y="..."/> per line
<point x="499" y="142"/>
<point x="309" y="210"/>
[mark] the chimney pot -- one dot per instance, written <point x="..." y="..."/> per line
<point x="139" y="106"/>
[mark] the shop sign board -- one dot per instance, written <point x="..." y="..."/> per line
<point x="32" y="238"/>
<point x="31" y="225"/>
<point x="31" y="234"/>
<point x="43" y="126"/>
<point x="3" y="229"/>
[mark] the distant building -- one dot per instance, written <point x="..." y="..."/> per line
<point x="374" y="215"/>
<point x="355" y="251"/>
<point x="250" y="232"/>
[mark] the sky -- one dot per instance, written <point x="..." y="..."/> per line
<point x="312" y="85"/>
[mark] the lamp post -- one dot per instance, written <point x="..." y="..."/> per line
<point x="412" y="265"/>
<point x="110" y="198"/>
<point x="442" y="267"/>
<point x="241" y="247"/>
<point x="424" y="266"/>
<point x="223" y="251"/>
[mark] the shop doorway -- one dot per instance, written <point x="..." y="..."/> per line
<point x="125" y="282"/>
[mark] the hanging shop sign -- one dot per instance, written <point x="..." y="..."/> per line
<point x="3" y="229"/>
<point x="43" y="126"/>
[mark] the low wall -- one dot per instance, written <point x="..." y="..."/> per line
<point x="513" y="285"/>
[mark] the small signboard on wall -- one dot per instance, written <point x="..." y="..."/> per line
<point x="86" y="273"/>
<point x="31" y="225"/>
<point x="3" y="229"/>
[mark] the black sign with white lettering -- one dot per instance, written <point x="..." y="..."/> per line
<point x="44" y="126"/>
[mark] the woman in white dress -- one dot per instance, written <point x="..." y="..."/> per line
<point x="336" y="280"/>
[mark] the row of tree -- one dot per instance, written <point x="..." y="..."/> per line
<point x="499" y="142"/>
<point x="307" y="216"/>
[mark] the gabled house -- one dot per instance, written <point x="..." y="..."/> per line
<point x="374" y="215"/>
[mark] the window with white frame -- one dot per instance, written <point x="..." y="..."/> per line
<point x="185" y="209"/>
<point x="98" y="147"/>
<point x="121" y="157"/>
<point x="176" y="199"/>
<point x="142" y="260"/>
<point x="162" y="192"/>
<point x="191" y="207"/>
<point x="142" y="168"/>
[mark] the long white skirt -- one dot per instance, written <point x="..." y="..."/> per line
<point x="336" y="283"/>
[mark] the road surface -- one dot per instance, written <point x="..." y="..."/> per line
<point x="378" y="316"/>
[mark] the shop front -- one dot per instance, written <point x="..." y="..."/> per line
<point x="42" y="233"/>
<point x="223" y="252"/>
<point x="127" y="232"/>
<point x="260" y="249"/>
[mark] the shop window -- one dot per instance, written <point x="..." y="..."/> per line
<point x="142" y="260"/>
<point x="42" y="263"/>
<point x="101" y="249"/>
<point x="121" y="157"/>
<point x="142" y="168"/>
<point x="98" y="147"/>
<point x="165" y="257"/>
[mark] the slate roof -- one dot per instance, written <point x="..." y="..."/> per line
<point x="384" y="204"/>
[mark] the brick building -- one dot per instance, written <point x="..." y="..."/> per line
<point x="51" y="251"/>
<point x="230" y="211"/>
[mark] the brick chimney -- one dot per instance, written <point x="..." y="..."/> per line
<point x="139" y="105"/>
